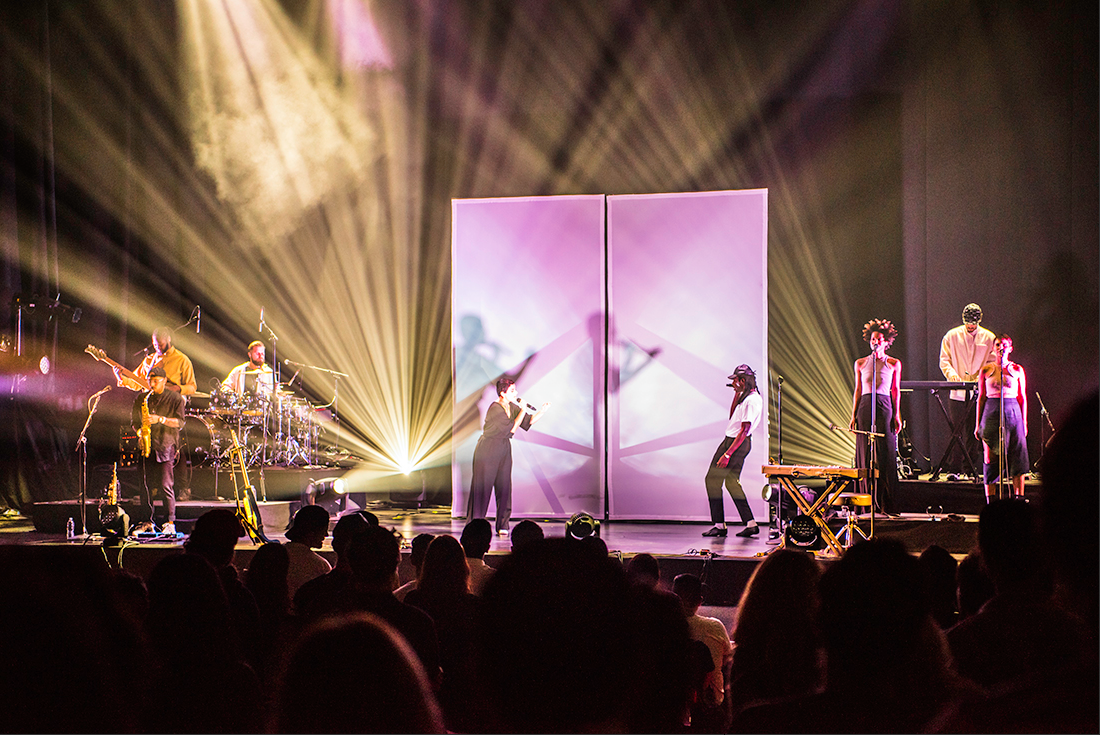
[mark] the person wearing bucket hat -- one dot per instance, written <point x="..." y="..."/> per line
<point x="729" y="458"/>
<point x="963" y="352"/>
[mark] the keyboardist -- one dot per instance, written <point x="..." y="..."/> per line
<point x="963" y="352"/>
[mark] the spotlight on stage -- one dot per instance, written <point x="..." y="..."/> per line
<point x="582" y="525"/>
<point x="803" y="533"/>
<point x="329" y="493"/>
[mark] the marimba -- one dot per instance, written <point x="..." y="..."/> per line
<point x="838" y="479"/>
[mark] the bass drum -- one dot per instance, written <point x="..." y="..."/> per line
<point x="205" y="435"/>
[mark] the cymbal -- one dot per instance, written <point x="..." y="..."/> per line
<point x="200" y="394"/>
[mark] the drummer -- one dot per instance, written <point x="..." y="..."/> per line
<point x="252" y="377"/>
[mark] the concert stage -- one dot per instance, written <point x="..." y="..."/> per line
<point x="725" y="563"/>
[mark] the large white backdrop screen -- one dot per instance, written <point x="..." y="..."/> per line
<point x="688" y="303"/>
<point x="528" y="301"/>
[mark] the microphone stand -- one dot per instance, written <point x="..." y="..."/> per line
<point x="1043" y="439"/>
<point x="272" y="404"/>
<point x="777" y="529"/>
<point x="82" y="447"/>
<point x="1002" y="461"/>
<point x="334" y="403"/>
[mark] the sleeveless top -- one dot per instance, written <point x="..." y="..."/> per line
<point x="883" y="380"/>
<point x="1011" y="381"/>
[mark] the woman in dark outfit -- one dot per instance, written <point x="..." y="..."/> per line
<point x="493" y="454"/>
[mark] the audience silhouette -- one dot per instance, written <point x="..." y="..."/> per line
<point x="564" y="639"/>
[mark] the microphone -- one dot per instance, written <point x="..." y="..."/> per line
<point x="525" y="405"/>
<point x="198" y="319"/>
<point x="833" y="426"/>
<point x="260" y="329"/>
<point x="780" y="379"/>
<point x="143" y="351"/>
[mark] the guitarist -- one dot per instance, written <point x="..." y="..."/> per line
<point x="177" y="366"/>
<point x="165" y="417"/>
<point x="181" y="379"/>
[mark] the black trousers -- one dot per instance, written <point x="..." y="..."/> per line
<point x="492" y="474"/>
<point x="159" y="472"/>
<point x="730" y="475"/>
<point x="884" y="490"/>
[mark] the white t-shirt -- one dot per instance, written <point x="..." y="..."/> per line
<point x="713" y="633"/>
<point x="749" y="410"/>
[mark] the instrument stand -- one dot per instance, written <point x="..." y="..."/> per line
<point x="957" y="429"/>
<point x="836" y="484"/>
<point x="82" y="447"/>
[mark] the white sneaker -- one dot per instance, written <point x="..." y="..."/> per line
<point x="503" y="533"/>
<point x="168" y="529"/>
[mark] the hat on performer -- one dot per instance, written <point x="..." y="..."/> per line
<point x="972" y="314"/>
<point x="158" y="372"/>
<point x="742" y="371"/>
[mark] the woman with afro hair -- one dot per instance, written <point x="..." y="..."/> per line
<point x="876" y="407"/>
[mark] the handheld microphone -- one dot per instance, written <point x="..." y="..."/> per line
<point x="198" y="318"/>
<point x="833" y="426"/>
<point x="260" y="329"/>
<point x="527" y="407"/>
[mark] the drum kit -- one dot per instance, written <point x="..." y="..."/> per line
<point x="276" y="428"/>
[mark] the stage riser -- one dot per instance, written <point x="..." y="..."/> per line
<point x="963" y="498"/>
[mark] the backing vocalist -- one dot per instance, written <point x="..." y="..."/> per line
<point x="492" y="470"/>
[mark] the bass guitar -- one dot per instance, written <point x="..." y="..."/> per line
<point x="128" y="374"/>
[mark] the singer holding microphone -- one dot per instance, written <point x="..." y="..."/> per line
<point x="492" y="470"/>
<point x="876" y="407"/>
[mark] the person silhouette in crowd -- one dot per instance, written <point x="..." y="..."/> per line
<point x="709" y="712"/>
<point x="566" y="645"/>
<point x="319" y="596"/>
<point x="973" y="587"/>
<point x="202" y="681"/>
<point x="888" y="669"/>
<point x="373" y="553"/>
<point x="643" y="569"/>
<point x="477" y="537"/>
<point x="373" y="681"/>
<point x="525" y="532"/>
<point x="420" y="545"/>
<point x="941" y="569"/>
<point x="214" y="538"/>
<point x="307" y="532"/>
<point x="266" y="579"/>
<point x="776" y="647"/>
<point x="443" y="593"/>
